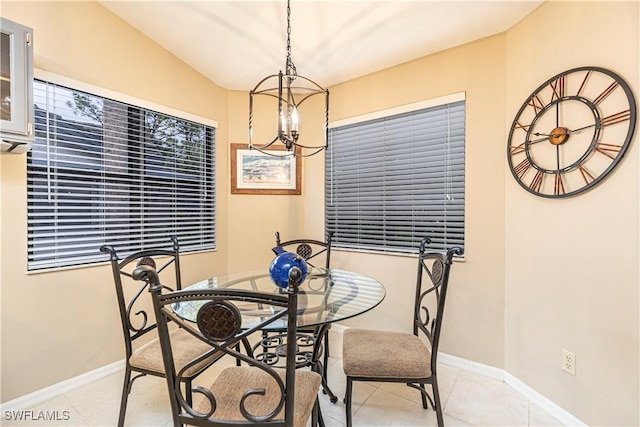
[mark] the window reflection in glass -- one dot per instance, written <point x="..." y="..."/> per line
<point x="5" y="77"/>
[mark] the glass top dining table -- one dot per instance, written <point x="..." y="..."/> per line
<point x="325" y="296"/>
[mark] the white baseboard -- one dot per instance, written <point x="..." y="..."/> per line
<point x="31" y="399"/>
<point x="470" y="365"/>
<point x="550" y="407"/>
<point x="553" y="409"/>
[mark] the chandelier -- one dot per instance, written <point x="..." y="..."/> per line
<point x="288" y="92"/>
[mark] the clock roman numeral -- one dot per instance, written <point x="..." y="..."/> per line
<point x="605" y="93"/>
<point x="536" y="183"/>
<point x="584" y="82"/>
<point x="558" y="187"/>
<point x="522" y="168"/>
<point x="536" y="103"/>
<point x="557" y="86"/>
<point x="608" y="149"/>
<point x="521" y="126"/>
<point x="517" y="149"/>
<point x="586" y="175"/>
<point x="622" y="116"/>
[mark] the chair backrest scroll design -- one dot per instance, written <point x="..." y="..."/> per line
<point x="133" y="316"/>
<point x="219" y="324"/>
<point x="432" y="280"/>
<point x="309" y="249"/>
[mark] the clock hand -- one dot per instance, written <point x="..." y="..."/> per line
<point x="582" y="128"/>
<point x="545" y="135"/>
<point x="535" y="141"/>
<point x="552" y="135"/>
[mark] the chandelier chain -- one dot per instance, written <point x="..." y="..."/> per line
<point x="290" y="68"/>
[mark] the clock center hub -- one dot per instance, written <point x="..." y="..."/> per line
<point x="559" y="136"/>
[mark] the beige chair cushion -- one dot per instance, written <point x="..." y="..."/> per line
<point x="232" y="383"/>
<point x="383" y="354"/>
<point x="185" y="348"/>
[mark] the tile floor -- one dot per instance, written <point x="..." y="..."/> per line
<point x="469" y="400"/>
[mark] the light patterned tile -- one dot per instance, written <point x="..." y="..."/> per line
<point x="445" y="385"/>
<point x="448" y="371"/>
<point x="486" y="402"/>
<point x="331" y="422"/>
<point x="57" y="411"/>
<point x="336" y="411"/>
<point x="387" y="409"/>
<point x="454" y="422"/>
<point x="538" y="417"/>
<point x="150" y="407"/>
<point x="99" y="401"/>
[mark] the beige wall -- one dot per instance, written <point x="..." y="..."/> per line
<point x="62" y="324"/>
<point x="474" y="325"/>
<point x="571" y="275"/>
<point x="253" y="219"/>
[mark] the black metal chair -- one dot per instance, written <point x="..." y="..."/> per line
<point x="146" y="359"/>
<point x="316" y="253"/>
<point x="247" y="395"/>
<point x="383" y="356"/>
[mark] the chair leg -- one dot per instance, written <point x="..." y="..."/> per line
<point x="326" y="353"/>
<point x="423" y="393"/>
<point x="347" y="401"/>
<point x="437" y="403"/>
<point x="315" y="420"/>
<point x="126" y="388"/>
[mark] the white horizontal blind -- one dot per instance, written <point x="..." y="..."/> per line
<point x="105" y="172"/>
<point x="392" y="181"/>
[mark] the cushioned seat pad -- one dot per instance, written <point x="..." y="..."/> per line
<point x="232" y="383"/>
<point x="185" y="347"/>
<point x="383" y="354"/>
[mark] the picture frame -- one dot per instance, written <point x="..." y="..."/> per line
<point x="253" y="172"/>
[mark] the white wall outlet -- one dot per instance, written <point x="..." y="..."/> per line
<point x="569" y="362"/>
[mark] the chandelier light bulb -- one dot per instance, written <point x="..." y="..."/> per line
<point x="283" y="123"/>
<point x="294" y="119"/>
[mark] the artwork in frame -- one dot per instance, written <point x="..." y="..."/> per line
<point x="253" y="172"/>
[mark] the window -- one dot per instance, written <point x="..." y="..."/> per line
<point x="394" y="179"/>
<point x="106" y="172"/>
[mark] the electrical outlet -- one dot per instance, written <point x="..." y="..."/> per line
<point x="569" y="362"/>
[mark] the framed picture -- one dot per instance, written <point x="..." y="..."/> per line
<point x="253" y="172"/>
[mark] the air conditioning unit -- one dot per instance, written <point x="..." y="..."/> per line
<point x="16" y="87"/>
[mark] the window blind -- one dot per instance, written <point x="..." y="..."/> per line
<point x="391" y="181"/>
<point x="106" y="172"/>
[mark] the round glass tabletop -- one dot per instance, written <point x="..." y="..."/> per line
<point x="325" y="296"/>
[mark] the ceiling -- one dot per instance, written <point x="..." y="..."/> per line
<point x="237" y="43"/>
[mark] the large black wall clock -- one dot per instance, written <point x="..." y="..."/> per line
<point x="571" y="132"/>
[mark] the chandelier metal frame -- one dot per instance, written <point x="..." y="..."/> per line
<point x="291" y="91"/>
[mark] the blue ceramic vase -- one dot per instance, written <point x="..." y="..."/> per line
<point x="282" y="264"/>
